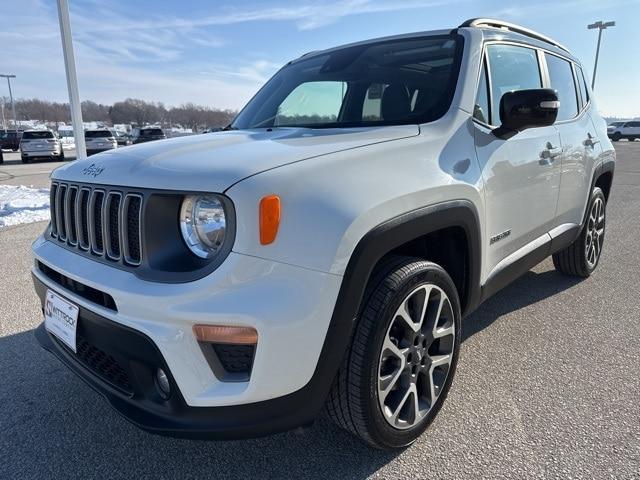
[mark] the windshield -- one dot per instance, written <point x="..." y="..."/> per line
<point x="33" y="135"/>
<point x="98" y="134"/>
<point x="385" y="83"/>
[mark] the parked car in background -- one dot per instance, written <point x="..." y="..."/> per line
<point x="10" y="140"/>
<point x="148" y="134"/>
<point x="99" y="140"/>
<point x="619" y="130"/>
<point x="40" y="144"/>
<point x="122" y="138"/>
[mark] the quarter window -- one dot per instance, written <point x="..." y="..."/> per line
<point x="481" y="107"/>
<point x="561" y="77"/>
<point x="511" y="68"/>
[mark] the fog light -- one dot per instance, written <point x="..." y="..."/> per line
<point x="162" y="384"/>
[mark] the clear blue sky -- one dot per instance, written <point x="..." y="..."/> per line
<point x="219" y="53"/>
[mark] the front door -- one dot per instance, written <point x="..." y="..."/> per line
<point x="521" y="174"/>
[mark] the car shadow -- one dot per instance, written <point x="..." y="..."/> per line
<point x="527" y="290"/>
<point x="53" y="425"/>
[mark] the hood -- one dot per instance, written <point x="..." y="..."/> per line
<point x="213" y="162"/>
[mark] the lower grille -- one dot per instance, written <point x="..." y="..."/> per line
<point x="105" y="366"/>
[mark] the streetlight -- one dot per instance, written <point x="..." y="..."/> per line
<point x="600" y="25"/>
<point x="13" y="105"/>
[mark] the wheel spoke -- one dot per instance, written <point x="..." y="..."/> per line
<point x="388" y="345"/>
<point x="439" y="360"/>
<point x="406" y="316"/>
<point x="443" y="332"/>
<point x="410" y="390"/>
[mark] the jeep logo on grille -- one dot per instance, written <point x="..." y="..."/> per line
<point x="93" y="170"/>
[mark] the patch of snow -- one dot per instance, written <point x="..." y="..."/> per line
<point x="20" y="204"/>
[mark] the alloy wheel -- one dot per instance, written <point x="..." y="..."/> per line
<point x="595" y="232"/>
<point x="416" y="356"/>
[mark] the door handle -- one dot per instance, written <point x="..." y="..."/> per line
<point x="590" y="142"/>
<point x="549" y="154"/>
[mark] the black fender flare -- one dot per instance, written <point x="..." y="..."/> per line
<point x="370" y="249"/>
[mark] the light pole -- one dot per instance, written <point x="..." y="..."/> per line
<point x="600" y="25"/>
<point x="13" y="105"/>
<point x="72" y="78"/>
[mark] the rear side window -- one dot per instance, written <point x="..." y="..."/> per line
<point x="481" y="107"/>
<point x="561" y="77"/>
<point x="582" y="85"/>
<point x="37" y="135"/>
<point x="511" y="68"/>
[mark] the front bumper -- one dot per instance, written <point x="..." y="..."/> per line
<point x="290" y="307"/>
<point x="125" y="374"/>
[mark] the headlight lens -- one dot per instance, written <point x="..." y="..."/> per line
<point x="203" y="223"/>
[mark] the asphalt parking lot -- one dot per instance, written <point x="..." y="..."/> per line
<point x="548" y="384"/>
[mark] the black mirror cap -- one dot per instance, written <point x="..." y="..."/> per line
<point x="522" y="109"/>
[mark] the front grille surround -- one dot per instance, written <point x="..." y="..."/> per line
<point x="98" y="221"/>
<point x="134" y="229"/>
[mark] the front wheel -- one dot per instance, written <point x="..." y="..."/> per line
<point x="403" y="356"/>
<point x="616" y="136"/>
<point x="581" y="258"/>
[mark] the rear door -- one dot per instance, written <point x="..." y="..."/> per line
<point x="580" y="145"/>
<point x="521" y="174"/>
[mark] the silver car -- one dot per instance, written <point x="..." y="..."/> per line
<point x="99" y="140"/>
<point x="40" y="144"/>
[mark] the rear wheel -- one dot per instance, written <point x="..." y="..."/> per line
<point x="400" y="365"/>
<point x="581" y="258"/>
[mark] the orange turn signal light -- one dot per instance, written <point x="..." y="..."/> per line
<point x="269" y="218"/>
<point x="225" y="334"/>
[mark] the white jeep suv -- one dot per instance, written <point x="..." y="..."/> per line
<point x="322" y="251"/>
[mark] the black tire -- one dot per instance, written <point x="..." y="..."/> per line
<point x="573" y="260"/>
<point x="62" y="159"/>
<point x="631" y="139"/>
<point x="25" y="160"/>
<point x="616" y="136"/>
<point x="353" y="403"/>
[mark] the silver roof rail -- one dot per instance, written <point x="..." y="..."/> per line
<point x="511" y="27"/>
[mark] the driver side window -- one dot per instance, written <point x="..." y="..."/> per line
<point x="512" y="68"/>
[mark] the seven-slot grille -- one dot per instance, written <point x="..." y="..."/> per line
<point x="102" y="221"/>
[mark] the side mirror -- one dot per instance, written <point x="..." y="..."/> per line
<point x="524" y="109"/>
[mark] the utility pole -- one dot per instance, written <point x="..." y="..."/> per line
<point x="13" y="105"/>
<point x="600" y="25"/>
<point x="72" y="79"/>
<point x="4" y="124"/>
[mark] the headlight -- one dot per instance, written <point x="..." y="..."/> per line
<point x="203" y="223"/>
